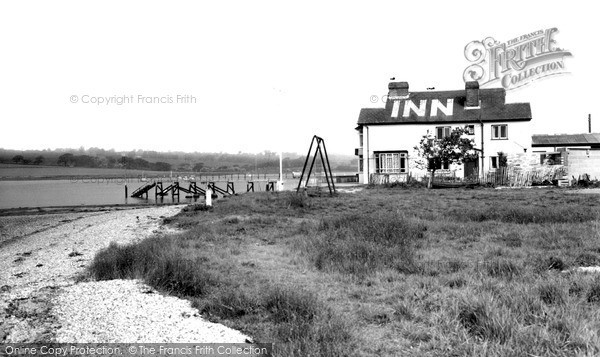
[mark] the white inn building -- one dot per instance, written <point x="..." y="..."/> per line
<point x="387" y="136"/>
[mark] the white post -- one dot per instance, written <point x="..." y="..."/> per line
<point x="209" y="197"/>
<point x="280" y="182"/>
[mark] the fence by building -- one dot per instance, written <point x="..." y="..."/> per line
<point x="506" y="176"/>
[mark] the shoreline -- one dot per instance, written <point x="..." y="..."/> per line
<point x="43" y="299"/>
<point x="28" y="211"/>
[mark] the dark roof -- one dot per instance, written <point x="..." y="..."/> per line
<point x="370" y="115"/>
<point x="592" y="139"/>
<point x="493" y="108"/>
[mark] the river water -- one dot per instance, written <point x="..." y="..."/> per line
<point x="48" y="193"/>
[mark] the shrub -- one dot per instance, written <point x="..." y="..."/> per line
<point x="297" y="200"/>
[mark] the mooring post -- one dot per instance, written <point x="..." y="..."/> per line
<point x="125" y="190"/>
<point x="208" y="196"/>
<point x="175" y="188"/>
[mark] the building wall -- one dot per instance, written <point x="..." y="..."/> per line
<point x="583" y="161"/>
<point x="576" y="161"/>
<point x="406" y="137"/>
<point x="524" y="161"/>
<point x="519" y="140"/>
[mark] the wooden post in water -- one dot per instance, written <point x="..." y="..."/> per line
<point x="125" y="190"/>
<point x="208" y="197"/>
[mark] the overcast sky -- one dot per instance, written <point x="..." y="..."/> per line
<point x="265" y="75"/>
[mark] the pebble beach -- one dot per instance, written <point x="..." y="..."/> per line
<point x="44" y="299"/>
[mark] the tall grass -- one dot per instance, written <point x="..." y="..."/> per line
<point x="362" y="244"/>
<point x="387" y="271"/>
<point x="485" y="320"/>
<point x="527" y="214"/>
<point x="159" y="262"/>
<point x="294" y="318"/>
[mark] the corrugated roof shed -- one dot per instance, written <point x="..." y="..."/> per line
<point x="592" y="140"/>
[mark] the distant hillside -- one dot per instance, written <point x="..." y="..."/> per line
<point x="265" y="162"/>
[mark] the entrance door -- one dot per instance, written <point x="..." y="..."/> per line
<point x="471" y="168"/>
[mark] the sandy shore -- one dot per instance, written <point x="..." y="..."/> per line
<point x="41" y="257"/>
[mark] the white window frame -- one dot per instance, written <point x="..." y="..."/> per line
<point x="444" y="165"/>
<point x="494" y="162"/>
<point x="497" y="132"/>
<point x="555" y="156"/>
<point x="390" y="162"/>
<point x="470" y="129"/>
<point x="446" y="130"/>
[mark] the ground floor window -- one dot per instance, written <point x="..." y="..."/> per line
<point x="438" y="164"/>
<point x="442" y="132"/>
<point x="391" y="162"/>
<point x="494" y="162"/>
<point x="550" y="158"/>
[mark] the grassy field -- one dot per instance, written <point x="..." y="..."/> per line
<point x="387" y="271"/>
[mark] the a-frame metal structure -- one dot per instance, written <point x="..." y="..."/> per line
<point x="320" y="150"/>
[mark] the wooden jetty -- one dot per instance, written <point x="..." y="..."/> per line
<point x="193" y="191"/>
<point x="143" y="190"/>
<point x="229" y="191"/>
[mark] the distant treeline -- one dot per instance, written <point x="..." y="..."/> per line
<point x="266" y="161"/>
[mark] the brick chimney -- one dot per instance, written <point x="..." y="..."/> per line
<point x="472" y="89"/>
<point x="398" y="90"/>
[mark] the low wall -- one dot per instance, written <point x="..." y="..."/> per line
<point x="380" y="179"/>
<point x="577" y="162"/>
<point x="584" y="161"/>
<point x="524" y="161"/>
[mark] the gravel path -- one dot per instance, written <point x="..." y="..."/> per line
<point x="40" y="259"/>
